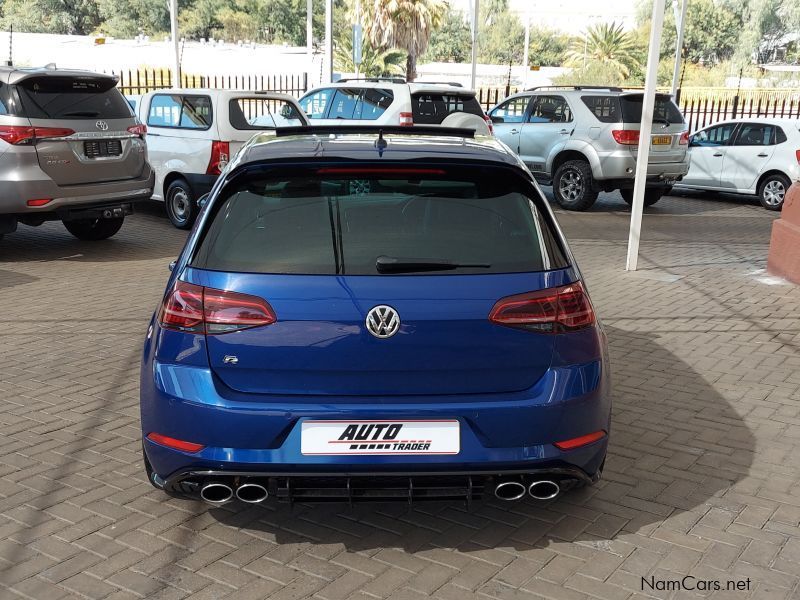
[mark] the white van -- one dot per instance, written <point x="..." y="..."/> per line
<point x="193" y="133"/>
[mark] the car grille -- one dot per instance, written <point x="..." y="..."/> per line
<point x="100" y="148"/>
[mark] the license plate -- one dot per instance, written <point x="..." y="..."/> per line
<point x="382" y="437"/>
<point x="101" y="148"/>
<point x="662" y="140"/>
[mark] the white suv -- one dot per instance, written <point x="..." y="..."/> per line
<point x="392" y="101"/>
<point x="192" y="133"/>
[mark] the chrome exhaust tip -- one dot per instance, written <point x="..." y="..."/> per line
<point x="216" y="493"/>
<point x="544" y="489"/>
<point x="251" y="493"/>
<point x="509" y="490"/>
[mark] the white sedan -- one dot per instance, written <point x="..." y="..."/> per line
<point x="746" y="156"/>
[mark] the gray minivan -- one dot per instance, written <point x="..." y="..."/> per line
<point x="70" y="150"/>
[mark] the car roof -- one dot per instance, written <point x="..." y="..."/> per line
<point x="783" y="121"/>
<point x="232" y="93"/>
<point x="414" y="87"/>
<point x="362" y="146"/>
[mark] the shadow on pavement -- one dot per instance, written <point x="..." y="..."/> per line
<point x="676" y="443"/>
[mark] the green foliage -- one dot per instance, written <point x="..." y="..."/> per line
<point x="607" y="44"/>
<point x="547" y="47"/>
<point x="711" y="33"/>
<point x="79" y="17"/>
<point x="374" y="63"/>
<point x="502" y="39"/>
<point x="595" y="73"/>
<point x="129" y="18"/>
<point x="452" y="42"/>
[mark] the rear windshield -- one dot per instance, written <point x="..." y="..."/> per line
<point x="263" y="113"/>
<point x="329" y="224"/>
<point x="432" y="109"/>
<point x="56" y="97"/>
<point x="628" y="108"/>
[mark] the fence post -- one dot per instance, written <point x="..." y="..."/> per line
<point x="735" y="106"/>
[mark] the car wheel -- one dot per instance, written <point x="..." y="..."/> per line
<point x="94" y="229"/>
<point x="181" y="206"/>
<point x="573" y="185"/>
<point x="651" y="195"/>
<point x="772" y="191"/>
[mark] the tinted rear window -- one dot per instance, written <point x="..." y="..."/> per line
<point x="431" y="109"/>
<point x="334" y="224"/>
<point x="55" y="97"/>
<point x="628" y="108"/>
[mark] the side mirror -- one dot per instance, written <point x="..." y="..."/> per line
<point x="497" y="119"/>
<point x="172" y="265"/>
<point x="203" y="200"/>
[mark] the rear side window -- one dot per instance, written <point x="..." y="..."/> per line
<point x="260" y="113"/>
<point x="511" y="111"/>
<point x="755" y="134"/>
<point x="664" y="108"/>
<point x="329" y="224"/>
<point x="432" y="109"/>
<point x="373" y="103"/>
<point x="605" y="108"/>
<point x="55" y="97"/>
<point x="180" y="112"/>
<point x="315" y="104"/>
<point x="550" y="109"/>
<point x="719" y="135"/>
<point x="780" y="136"/>
<point x="344" y="104"/>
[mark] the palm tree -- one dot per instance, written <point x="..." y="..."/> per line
<point x="374" y="63"/>
<point x="404" y="24"/>
<point x="608" y="44"/>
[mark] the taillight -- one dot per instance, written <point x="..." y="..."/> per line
<point x="20" y="135"/>
<point x="197" y="309"/>
<point x="554" y="310"/>
<point x="489" y="123"/>
<point x="684" y="141"/>
<point x="138" y="129"/>
<point x="169" y="442"/>
<point x="626" y="137"/>
<point x="581" y="441"/>
<point x="220" y="154"/>
<point x="406" y="119"/>
<point x="797" y="155"/>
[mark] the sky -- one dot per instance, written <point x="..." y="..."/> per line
<point x="572" y="16"/>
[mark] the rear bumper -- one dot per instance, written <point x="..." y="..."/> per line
<point x="260" y="436"/>
<point x="621" y="165"/>
<point x="16" y="194"/>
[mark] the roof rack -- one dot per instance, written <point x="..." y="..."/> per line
<point x="610" y="88"/>
<point x="373" y="79"/>
<point x="462" y="132"/>
<point x="453" y="83"/>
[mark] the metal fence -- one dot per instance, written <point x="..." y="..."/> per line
<point x="140" y="81"/>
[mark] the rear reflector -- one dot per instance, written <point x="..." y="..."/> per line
<point x="39" y="201"/>
<point x="626" y="137"/>
<point x="377" y="171"/>
<point x="197" y="309"/>
<point x="797" y="155"/>
<point x="173" y="443"/>
<point x="577" y="442"/>
<point x="554" y="310"/>
<point x="406" y="119"/>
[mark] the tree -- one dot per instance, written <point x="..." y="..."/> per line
<point x="547" y="48"/>
<point x="129" y="18"/>
<point x="452" y="42"/>
<point x="502" y="37"/>
<point x="78" y="17"/>
<point x="374" y="63"/>
<point x="608" y="44"/>
<point x="405" y="24"/>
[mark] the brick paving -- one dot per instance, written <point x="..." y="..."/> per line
<point x="703" y="477"/>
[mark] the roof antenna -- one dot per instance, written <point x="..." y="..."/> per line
<point x="381" y="144"/>
<point x="10" y="62"/>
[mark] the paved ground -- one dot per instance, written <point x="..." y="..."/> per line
<point x="703" y="477"/>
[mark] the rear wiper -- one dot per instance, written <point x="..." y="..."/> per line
<point x="86" y="113"/>
<point x="392" y="264"/>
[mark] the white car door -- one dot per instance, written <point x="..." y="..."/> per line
<point x="746" y="158"/>
<point x="508" y="118"/>
<point x="707" y="148"/>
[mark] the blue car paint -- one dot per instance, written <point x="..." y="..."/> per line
<point x="258" y="430"/>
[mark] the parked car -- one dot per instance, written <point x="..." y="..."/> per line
<point x="584" y="140"/>
<point x="392" y="101"/>
<point x="375" y="315"/>
<point x="192" y="133"/>
<point x="746" y="156"/>
<point x="70" y="150"/>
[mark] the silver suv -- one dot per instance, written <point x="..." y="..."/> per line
<point x="70" y="150"/>
<point x="583" y="140"/>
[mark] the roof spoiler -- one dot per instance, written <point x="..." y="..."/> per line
<point x="461" y="132"/>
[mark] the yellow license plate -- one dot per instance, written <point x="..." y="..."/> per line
<point x="662" y="140"/>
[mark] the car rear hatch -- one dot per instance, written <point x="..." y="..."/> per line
<point x="668" y="127"/>
<point x="331" y="251"/>
<point x="87" y="123"/>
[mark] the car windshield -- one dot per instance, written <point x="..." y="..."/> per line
<point x="377" y="223"/>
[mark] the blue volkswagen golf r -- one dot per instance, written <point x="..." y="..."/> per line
<point x="364" y="315"/>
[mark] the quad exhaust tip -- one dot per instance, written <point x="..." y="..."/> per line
<point x="509" y="490"/>
<point x="544" y="489"/>
<point x="216" y="493"/>
<point x="251" y="493"/>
